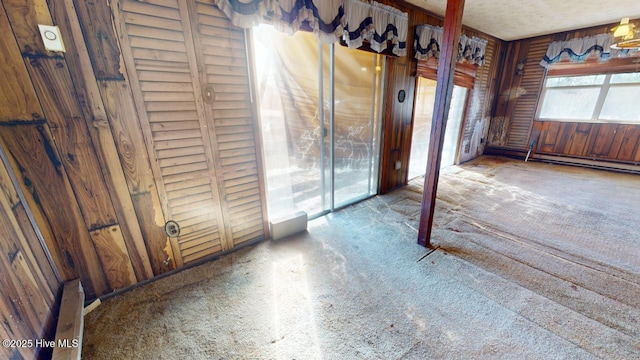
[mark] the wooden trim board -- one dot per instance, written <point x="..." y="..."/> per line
<point x="68" y="341"/>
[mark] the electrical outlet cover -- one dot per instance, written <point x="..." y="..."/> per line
<point x="51" y="38"/>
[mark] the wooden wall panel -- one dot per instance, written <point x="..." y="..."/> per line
<point x="397" y="125"/>
<point x="31" y="233"/>
<point x="28" y="280"/>
<point x="46" y="186"/>
<point x="27" y="238"/>
<point x="84" y="142"/>
<point x="630" y="144"/>
<point x="397" y="122"/>
<point x="96" y="121"/>
<point x="101" y="40"/>
<point x="53" y="82"/>
<point x="118" y="132"/>
<point x="18" y="100"/>
<point x="84" y="160"/>
<point x="101" y="235"/>
<point x="25" y="15"/>
<point x="480" y="105"/>
<point x="37" y="159"/>
<point x="611" y="142"/>
<point x="130" y="143"/>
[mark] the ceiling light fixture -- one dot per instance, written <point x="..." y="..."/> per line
<point x="627" y="34"/>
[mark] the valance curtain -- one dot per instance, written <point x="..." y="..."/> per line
<point x="579" y="49"/>
<point x="354" y="21"/>
<point x="428" y="39"/>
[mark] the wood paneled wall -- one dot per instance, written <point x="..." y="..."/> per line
<point x="477" y="117"/>
<point x="91" y="137"/>
<point x="63" y="146"/>
<point x="28" y="281"/>
<point x="398" y="117"/>
<point x="513" y="126"/>
<point x="518" y="94"/>
<point x="110" y="101"/>
<point x="71" y="130"/>
<point x="397" y="124"/>
<point x="612" y="142"/>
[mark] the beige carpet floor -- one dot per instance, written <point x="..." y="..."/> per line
<point x="534" y="261"/>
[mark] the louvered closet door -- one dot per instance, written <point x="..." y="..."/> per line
<point x="220" y="48"/>
<point x="203" y="183"/>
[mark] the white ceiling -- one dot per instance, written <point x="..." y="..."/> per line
<point x="519" y="19"/>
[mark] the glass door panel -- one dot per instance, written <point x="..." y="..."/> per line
<point x="422" y="112"/>
<point x="287" y="87"/>
<point x="454" y="126"/>
<point x="425" y="98"/>
<point x="357" y="82"/>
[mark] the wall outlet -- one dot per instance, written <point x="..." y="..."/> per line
<point x="398" y="164"/>
<point x="51" y="38"/>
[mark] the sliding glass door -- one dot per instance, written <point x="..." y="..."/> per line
<point x="291" y="122"/>
<point x="357" y="87"/>
<point x="320" y="118"/>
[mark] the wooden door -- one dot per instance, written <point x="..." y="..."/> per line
<point x="193" y="97"/>
<point x="222" y="55"/>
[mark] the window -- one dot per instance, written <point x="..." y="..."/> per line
<point x="592" y="98"/>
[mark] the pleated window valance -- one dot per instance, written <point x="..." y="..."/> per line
<point x="428" y="39"/>
<point x="353" y="21"/>
<point x="579" y="49"/>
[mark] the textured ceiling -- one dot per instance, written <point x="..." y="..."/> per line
<point x="519" y="19"/>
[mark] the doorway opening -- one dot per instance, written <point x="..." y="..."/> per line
<point x="423" y="111"/>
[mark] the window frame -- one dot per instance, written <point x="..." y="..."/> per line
<point x="602" y="96"/>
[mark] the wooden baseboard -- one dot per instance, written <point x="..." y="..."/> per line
<point x="508" y="152"/>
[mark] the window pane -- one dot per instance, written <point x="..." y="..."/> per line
<point x="622" y="104"/>
<point x="625" y="78"/>
<point x="576" y="80"/>
<point x="569" y="104"/>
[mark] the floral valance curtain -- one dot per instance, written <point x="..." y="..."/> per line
<point x="579" y="49"/>
<point x="428" y="39"/>
<point x="354" y="21"/>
